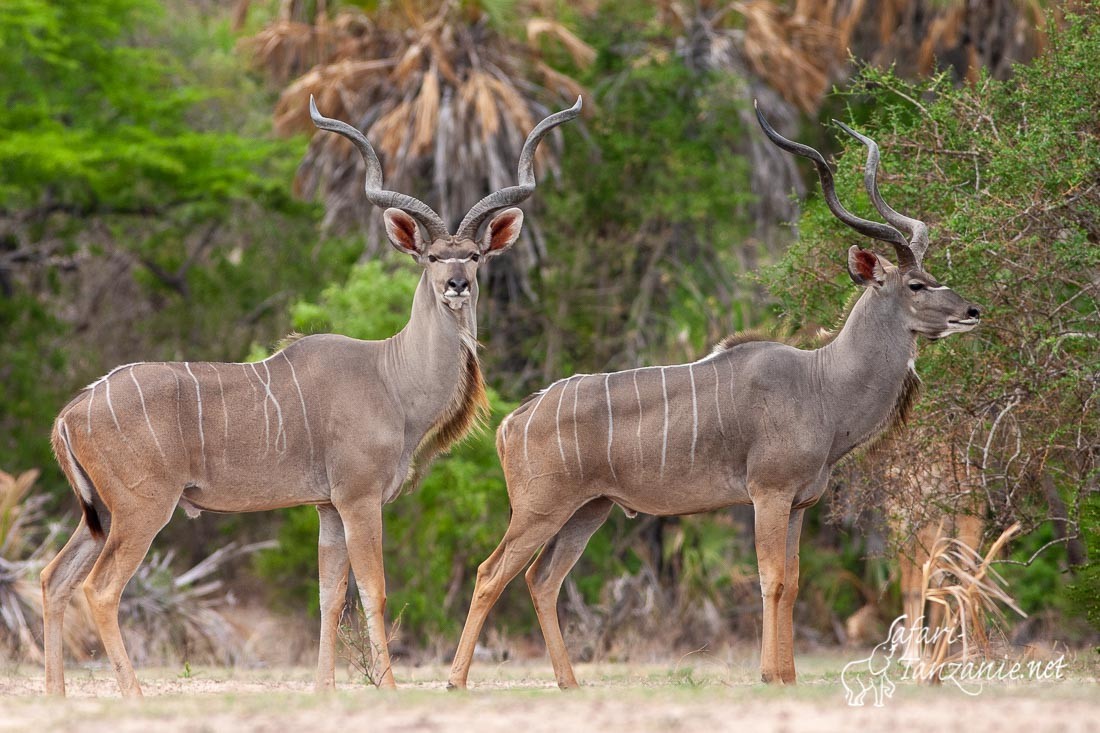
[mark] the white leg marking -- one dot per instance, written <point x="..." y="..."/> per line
<point x="694" y="414"/>
<point x="576" y="436"/>
<point x="267" y="423"/>
<point x="717" y="402"/>
<point x="638" y="396"/>
<point x="90" y="398"/>
<point x="225" y="414"/>
<point x="198" y="399"/>
<point x="302" y="399"/>
<point x="279" y="432"/>
<point x="148" y="423"/>
<point x="610" y="424"/>
<point x="557" y="422"/>
<point x="527" y="425"/>
<point x="664" y="437"/>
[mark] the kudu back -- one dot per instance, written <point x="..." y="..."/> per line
<point x="331" y="421"/>
<point x="755" y="422"/>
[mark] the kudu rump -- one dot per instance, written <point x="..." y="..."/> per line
<point x="331" y="421"/>
<point x="754" y="422"/>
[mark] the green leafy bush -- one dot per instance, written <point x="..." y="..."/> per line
<point x="1005" y="174"/>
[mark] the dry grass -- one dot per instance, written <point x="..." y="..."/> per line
<point x="969" y="593"/>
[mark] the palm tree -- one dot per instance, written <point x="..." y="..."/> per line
<point x="441" y="90"/>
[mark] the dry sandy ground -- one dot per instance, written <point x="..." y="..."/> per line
<point x="691" y="694"/>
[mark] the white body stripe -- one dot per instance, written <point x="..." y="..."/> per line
<point x="225" y="415"/>
<point x="107" y="387"/>
<point x="557" y="424"/>
<point x="279" y="432"/>
<point x="664" y="432"/>
<point x="267" y="420"/>
<point x="148" y="422"/>
<point x="717" y="402"/>
<point x="527" y="427"/>
<point x="302" y="400"/>
<point x="179" y="403"/>
<point x="198" y="400"/>
<point x="576" y="435"/>
<point x="610" y="425"/>
<point x="89" y="415"/>
<point x="694" y="414"/>
<point x="638" y="396"/>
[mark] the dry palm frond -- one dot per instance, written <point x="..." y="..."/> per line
<point x="798" y="52"/>
<point x="925" y="36"/>
<point x="970" y="593"/>
<point x="581" y="53"/>
<point x="166" y="617"/>
<point x="443" y="97"/>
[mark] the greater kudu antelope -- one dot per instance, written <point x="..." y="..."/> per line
<point x="331" y="421"/>
<point x="754" y="422"/>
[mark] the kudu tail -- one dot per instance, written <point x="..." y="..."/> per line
<point x="77" y="476"/>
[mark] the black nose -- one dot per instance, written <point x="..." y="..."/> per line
<point x="458" y="284"/>
<point x="974" y="312"/>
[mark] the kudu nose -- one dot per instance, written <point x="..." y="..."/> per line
<point x="974" y="312"/>
<point x="458" y="284"/>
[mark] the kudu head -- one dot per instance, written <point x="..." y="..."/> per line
<point x="450" y="260"/>
<point x="925" y="306"/>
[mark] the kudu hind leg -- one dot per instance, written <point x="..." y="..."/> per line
<point x="127" y="544"/>
<point x="333" y="564"/>
<point x="59" y="580"/>
<point x="546" y="574"/>
<point x="527" y="532"/>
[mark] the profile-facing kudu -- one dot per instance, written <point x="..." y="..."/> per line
<point x="330" y="421"/>
<point x="754" y="422"/>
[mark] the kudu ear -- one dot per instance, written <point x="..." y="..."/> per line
<point x="404" y="233"/>
<point x="866" y="268"/>
<point x="502" y="232"/>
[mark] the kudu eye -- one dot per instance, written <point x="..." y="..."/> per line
<point x="915" y="286"/>
<point x="432" y="258"/>
<point x="475" y="257"/>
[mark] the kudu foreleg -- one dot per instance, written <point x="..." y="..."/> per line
<point x="59" y="579"/>
<point x="333" y="564"/>
<point x="772" y="520"/>
<point x="363" y="532"/>
<point x="546" y="574"/>
<point x="787" y="599"/>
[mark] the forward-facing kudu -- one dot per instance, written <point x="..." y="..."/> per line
<point x="754" y="422"/>
<point x="330" y="421"/>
